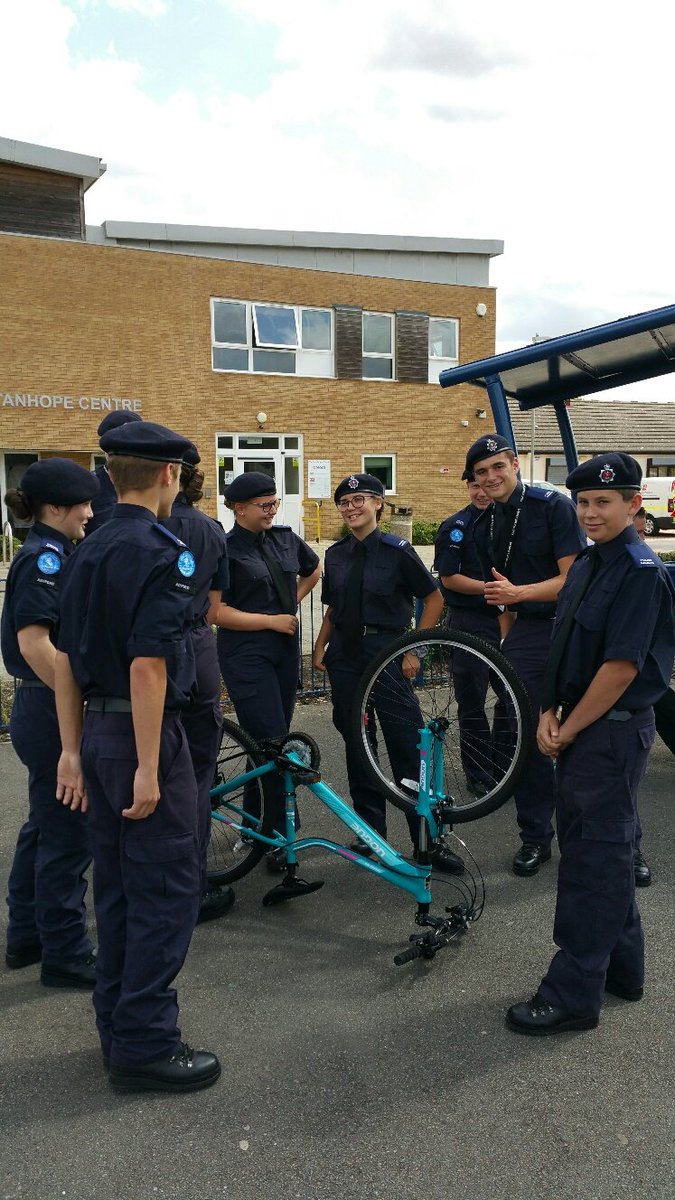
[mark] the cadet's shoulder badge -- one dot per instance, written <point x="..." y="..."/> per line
<point x="642" y="556"/>
<point x="186" y="564"/>
<point x="168" y="534"/>
<point x="456" y="535"/>
<point x="391" y="539"/>
<point x="49" y="562"/>
<point x="537" y="493"/>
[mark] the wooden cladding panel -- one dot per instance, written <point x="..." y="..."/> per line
<point x="40" y="202"/>
<point x="412" y="347"/>
<point x="348" y="342"/>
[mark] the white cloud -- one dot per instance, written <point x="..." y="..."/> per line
<point x="501" y="122"/>
<point x="145" y="8"/>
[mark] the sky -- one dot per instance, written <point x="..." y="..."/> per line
<point x="543" y="125"/>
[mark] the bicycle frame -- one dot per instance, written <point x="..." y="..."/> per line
<point x="389" y="864"/>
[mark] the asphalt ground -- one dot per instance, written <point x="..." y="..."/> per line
<point x="344" y="1076"/>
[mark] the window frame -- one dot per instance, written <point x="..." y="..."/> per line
<point x="383" y="454"/>
<point x="441" y="362"/>
<point x="252" y="344"/>
<point x="371" y="354"/>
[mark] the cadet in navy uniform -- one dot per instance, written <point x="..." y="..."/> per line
<point x="47" y="886"/>
<point x="203" y="718"/>
<point x="611" y="658"/>
<point x="461" y="574"/>
<point x="124" y="648"/>
<point x="390" y="575"/>
<point x="527" y="540"/>
<point x="106" y="499"/>
<point x="271" y="571"/>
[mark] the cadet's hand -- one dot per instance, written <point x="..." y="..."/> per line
<point x="318" y="655"/>
<point x="410" y="664"/>
<point x="284" y="623"/>
<point x="70" y="789"/>
<point x="500" y="590"/>
<point x="548" y="734"/>
<point x="146" y="795"/>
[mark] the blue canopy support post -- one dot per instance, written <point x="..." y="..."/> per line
<point x="500" y="408"/>
<point x="567" y="435"/>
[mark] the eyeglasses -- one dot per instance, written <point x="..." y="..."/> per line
<point x="268" y="506"/>
<point x="353" y="501"/>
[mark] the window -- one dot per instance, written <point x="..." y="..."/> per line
<point x="377" y="346"/>
<point x="272" y="339"/>
<point x="443" y="345"/>
<point x="661" y="466"/>
<point x="383" y="467"/>
<point x="556" y="469"/>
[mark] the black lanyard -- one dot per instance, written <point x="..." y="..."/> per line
<point x="509" y="548"/>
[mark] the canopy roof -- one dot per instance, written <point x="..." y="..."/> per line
<point x="555" y="371"/>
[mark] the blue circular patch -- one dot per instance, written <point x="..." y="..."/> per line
<point x="49" y="563"/>
<point x="456" y="535"/>
<point x="186" y="564"/>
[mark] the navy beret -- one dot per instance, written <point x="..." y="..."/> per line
<point x="192" y="457"/>
<point x="359" y="483"/>
<point x="485" y="447"/>
<point x="605" y="472"/>
<point x="59" y="481"/>
<point x="114" y="419"/>
<point x="145" y="439"/>
<point x="250" y="484"/>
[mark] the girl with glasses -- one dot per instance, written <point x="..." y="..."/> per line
<point x="370" y="582"/>
<point x="271" y="571"/>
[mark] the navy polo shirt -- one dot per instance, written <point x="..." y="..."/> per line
<point x="626" y="614"/>
<point x="457" y="554"/>
<point x="547" y="530"/>
<point x="393" y="576"/>
<point x="251" y="587"/>
<point x="32" y="593"/>
<point x="207" y="541"/>
<point x="128" y="593"/>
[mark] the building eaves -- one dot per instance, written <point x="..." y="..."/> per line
<point x="45" y="158"/>
<point x="637" y="427"/>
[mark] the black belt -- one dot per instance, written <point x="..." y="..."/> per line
<point x="532" y="616"/>
<point x="614" y="714"/>
<point x="376" y="629"/>
<point x="33" y="683"/>
<point x="114" y="704"/>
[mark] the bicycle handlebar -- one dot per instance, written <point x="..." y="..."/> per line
<point x="408" y="955"/>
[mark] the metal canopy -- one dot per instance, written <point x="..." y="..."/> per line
<point x="555" y="371"/>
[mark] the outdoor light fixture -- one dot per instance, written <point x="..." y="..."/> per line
<point x="481" y="309"/>
<point x="465" y="424"/>
<point x="481" y="414"/>
<point x="261" y="418"/>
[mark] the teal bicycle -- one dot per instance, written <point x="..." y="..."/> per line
<point x="451" y="747"/>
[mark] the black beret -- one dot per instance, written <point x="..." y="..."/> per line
<point x="192" y="457"/>
<point x="115" y="419"/>
<point x="359" y="483"/>
<point x="146" y="440"/>
<point x="485" y="447"/>
<point x="59" y="481"/>
<point x="250" y="484"/>
<point x="605" y="472"/>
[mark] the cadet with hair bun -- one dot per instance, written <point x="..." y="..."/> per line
<point x="47" y="885"/>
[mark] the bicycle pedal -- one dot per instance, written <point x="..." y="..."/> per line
<point x="288" y="889"/>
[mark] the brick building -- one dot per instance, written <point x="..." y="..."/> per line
<point x="305" y="354"/>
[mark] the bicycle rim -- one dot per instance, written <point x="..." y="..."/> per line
<point x="232" y="853"/>
<point x="464" y="682"/>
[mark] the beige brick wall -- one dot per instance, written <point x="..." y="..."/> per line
<point x="86" y="320"/>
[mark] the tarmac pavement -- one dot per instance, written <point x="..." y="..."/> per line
<point x="344" y="1076"/>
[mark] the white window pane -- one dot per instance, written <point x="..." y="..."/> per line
<point x="442" y="339"/>
<point x="274" y="326"/>
<point x="316" y="329"/>
<point x="274" y="362"/>
<point x="318" y="363"/>
<point x="225" y="359"/>
<point x="376" y="368"/>
<point x="376" y="334"/>
<point x="229" y="322"/>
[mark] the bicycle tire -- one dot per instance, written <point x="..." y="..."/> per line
<point x="494" y="741"/>
<point x="229" y="856"/>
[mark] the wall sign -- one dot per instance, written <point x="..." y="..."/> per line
<point x="98" y="404"/>
<point x="318" y="479"/>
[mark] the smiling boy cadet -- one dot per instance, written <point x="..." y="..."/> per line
<point x="610" y="660"/>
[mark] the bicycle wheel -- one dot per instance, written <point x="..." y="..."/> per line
<point x="232" y="853"/>
<point x="486" y="738"/>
